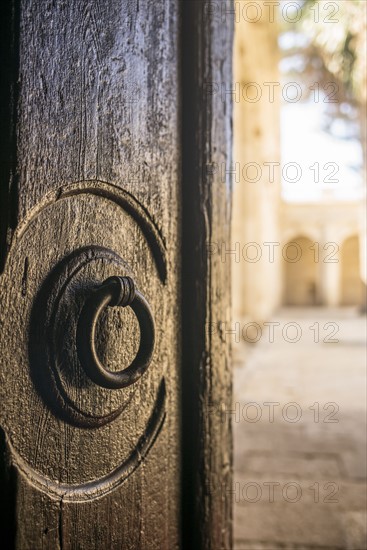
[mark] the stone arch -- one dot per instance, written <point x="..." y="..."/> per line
<point x="291" y="234"/>
<point x="301" y="285"/>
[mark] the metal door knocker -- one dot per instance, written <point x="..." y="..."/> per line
<point x="114" y="291"/>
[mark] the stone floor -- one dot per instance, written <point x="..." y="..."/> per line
<point x="299" y="422"/>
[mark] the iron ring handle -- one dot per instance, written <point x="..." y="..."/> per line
<point x="114" y="291"/>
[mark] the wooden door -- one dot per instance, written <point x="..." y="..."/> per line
<point x="110" y="145"/>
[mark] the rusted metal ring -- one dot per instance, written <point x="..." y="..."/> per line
<point x="115" y="291"/>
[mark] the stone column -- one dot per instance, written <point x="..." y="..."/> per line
<point x="330" y="284"/>
<point x="256" y="277"/>
<point x="330" y="270"/>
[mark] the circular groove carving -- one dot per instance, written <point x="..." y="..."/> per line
<point x="49" y="330"/>
<point x="100" y="487"/>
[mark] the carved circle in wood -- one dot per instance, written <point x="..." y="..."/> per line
<point x="74" y="239"/>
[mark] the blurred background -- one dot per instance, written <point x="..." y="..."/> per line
<point x="298" y="256"/>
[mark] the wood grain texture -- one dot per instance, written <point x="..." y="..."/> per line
<point x="97" y="165"/>
<point x="207" y="132"/>
<point x="117" y="146"/>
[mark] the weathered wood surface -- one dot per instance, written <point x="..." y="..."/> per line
<point x="97" y="165"/>
<point x="102" y="113"/>
<point x="207" y="133"/>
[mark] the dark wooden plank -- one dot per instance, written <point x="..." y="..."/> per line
<point x="97" y="165"/>
<point x="99" y="99"/>
<point x="206" y="196"/>
<point x="9" y="63"/>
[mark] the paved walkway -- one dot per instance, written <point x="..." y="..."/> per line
<point x="300" y="433"/>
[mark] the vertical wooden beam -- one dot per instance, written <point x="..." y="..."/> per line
<point x="8" y="488"/>
<point x="9" y="63"/>
<point x="207" y="29"/>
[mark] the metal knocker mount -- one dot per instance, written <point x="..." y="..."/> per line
<point x="114" y="291"/>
